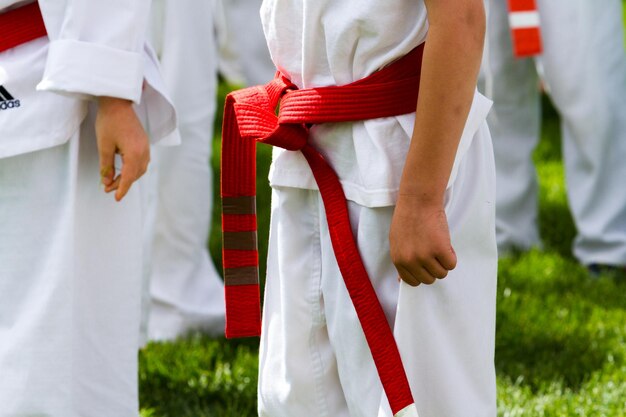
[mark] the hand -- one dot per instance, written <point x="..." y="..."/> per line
<point x="420" y="241"/>
<point x="119" y="131"/>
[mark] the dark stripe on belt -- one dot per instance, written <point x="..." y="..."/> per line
<point x="239" y="205"/>
<point x="240" y="240"/>
<point x="248" y="275"/>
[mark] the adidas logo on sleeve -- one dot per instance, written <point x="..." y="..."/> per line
<point x="7" y="102"/>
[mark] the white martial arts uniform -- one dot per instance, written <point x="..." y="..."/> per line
<point x="186" y="291"/>
<point x="70" y="256"/>
<point x="244" y="57"/>
<point x="583" y="66"/>
<point x="314" y="360"/>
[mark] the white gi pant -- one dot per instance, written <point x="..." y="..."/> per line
<point x="244" y="56"/>
<point x="70" y="280"/>
<point x="186" y="291"/>
<point x="584" y="69"/>
<point x="314" y="360"/>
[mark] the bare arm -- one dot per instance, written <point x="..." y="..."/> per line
<point x="419" y="237"/>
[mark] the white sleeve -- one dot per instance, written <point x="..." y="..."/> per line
<point x="96" y="47"/>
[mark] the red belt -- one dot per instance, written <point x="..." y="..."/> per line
<point x="250" y="117"/>
<point x="21" y="25"/>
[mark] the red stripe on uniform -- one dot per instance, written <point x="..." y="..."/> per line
<point x="527" y="42"/>
<point x="522" y="5"/>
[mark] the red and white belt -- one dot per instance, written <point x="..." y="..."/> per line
<point x="21" y="25"/>
<point x="250" y="117"/>
<point x="525" y="28"/>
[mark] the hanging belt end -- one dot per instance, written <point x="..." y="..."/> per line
<point x="409" y="411"/>
<point x="243" y="311"/>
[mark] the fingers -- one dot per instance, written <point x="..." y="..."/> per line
<point x="114" y="185"/>
<point x="419" y="244"/>
<point x="127" y="177"/>
<point x="435" y="269"/>
<point x="427" y="271"/>
<point x="134" y="166"/>
<point x="107" y="164"/>
<point x="448" y="259"/>
<point x="119" y="131"/>
<point x="408" y="277"/>
<point x="416" y="276"/>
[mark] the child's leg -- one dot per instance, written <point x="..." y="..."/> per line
<point x="446" y="331"/>
<point x="314" y="359"/>
<point x="297" y="367"/>
<point x="514" y="120"/>
<point x="585" y="71"/>
<point x="35" y="289"/>
<point x="107" y="290"/>
<point x="186" y="291"/>
<point x="70" y="265"/>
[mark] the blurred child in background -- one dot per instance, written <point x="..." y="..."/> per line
<point x="583" y="68"/>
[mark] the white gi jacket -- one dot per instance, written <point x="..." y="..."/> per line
<point x="70" y="255"/>
<point x="327" y="48"/>
<point x="94" y="48"/>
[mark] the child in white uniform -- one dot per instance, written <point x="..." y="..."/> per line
<point x="70" y="254"/>
<point x="185" y="290"/>
<point x="244" y="58"/>
<point x="583" y="66"/>
<point x="314" y="358"/>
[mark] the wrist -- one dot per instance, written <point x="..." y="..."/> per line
<point x="113" y="104"/>
<point x="429" y="198"/>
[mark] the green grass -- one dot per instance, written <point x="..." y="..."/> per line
<point x="198" y="377"/>
<point x="561" y="336"/>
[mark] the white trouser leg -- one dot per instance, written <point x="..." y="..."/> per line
<point x="35" y="281"/>
<point x="186" y="290"/>
<point x="585" y="71"/>
<point x="446" y="331"/>
<point x="248" y="41"/>
<point x="314" y="360"/>
<point x="297" y="367"/>
<point x="70" y="269"/>
<point x="514" y="122"/>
